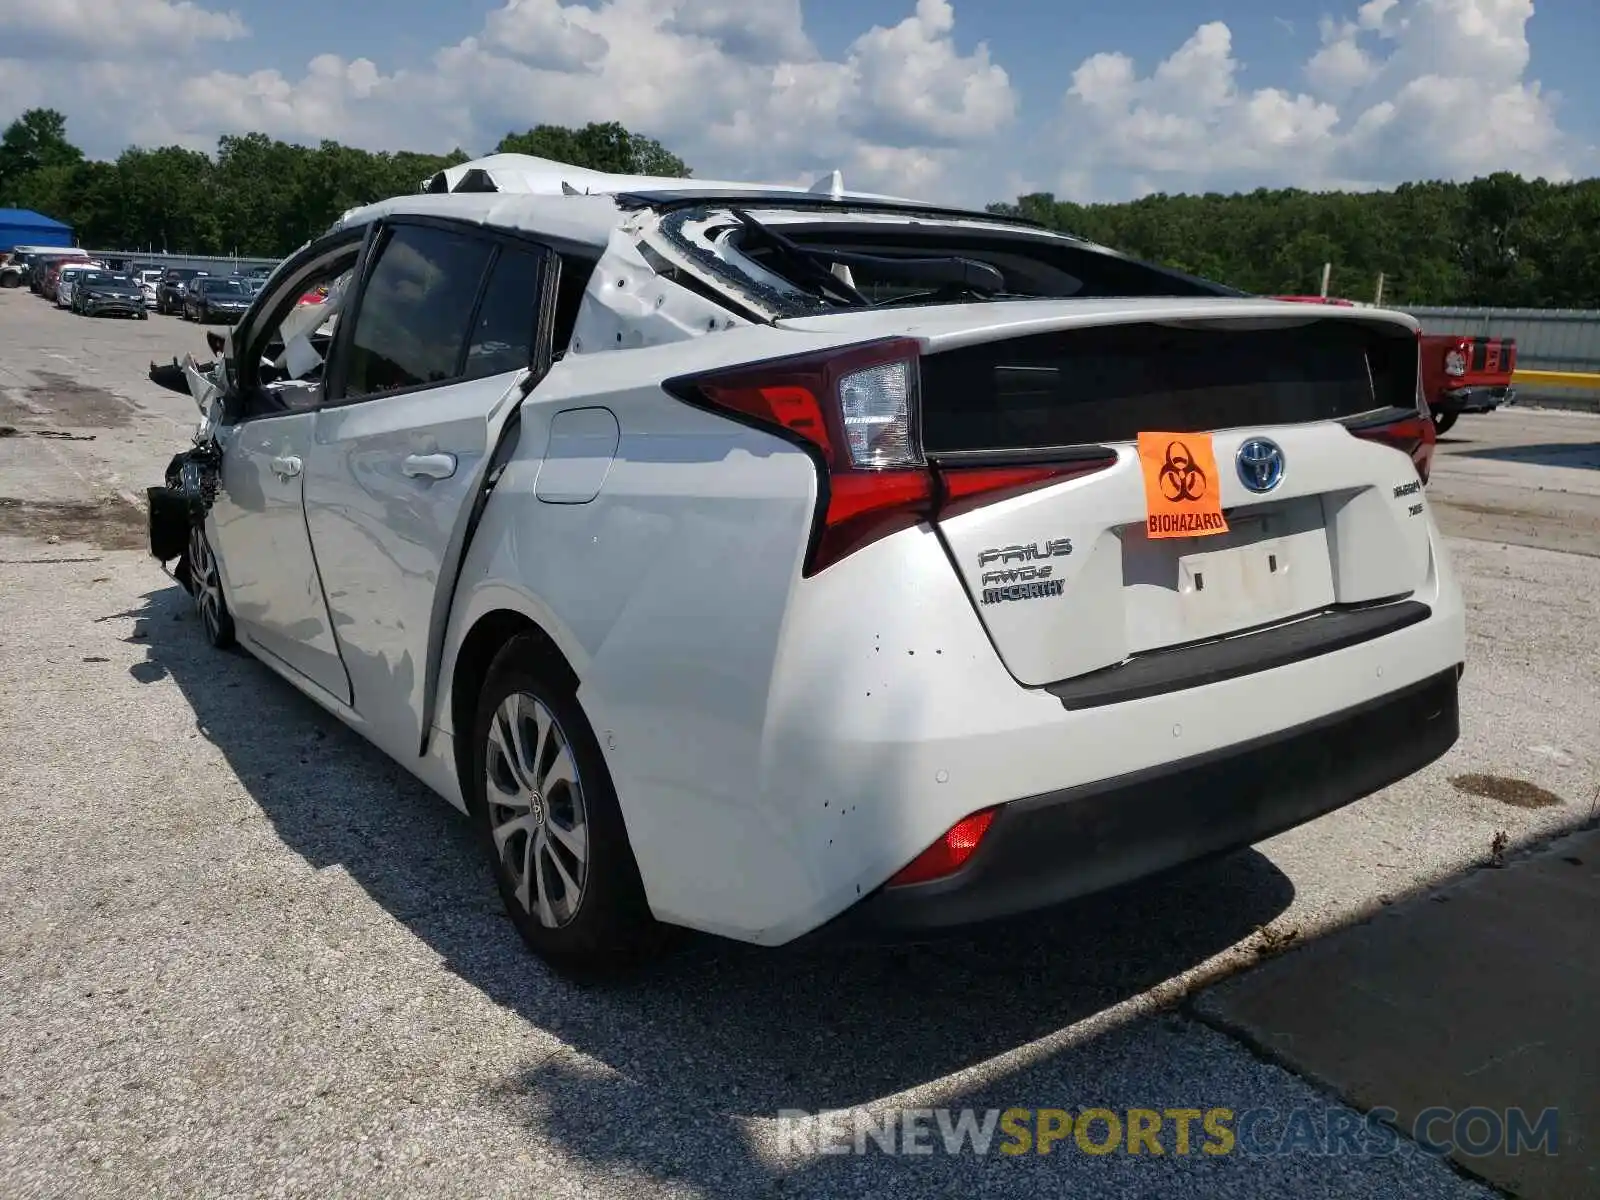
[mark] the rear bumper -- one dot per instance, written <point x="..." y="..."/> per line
<point x="1052" y="848"/>
<point x="1475" y="399"/>
<point x="822" y="752"/>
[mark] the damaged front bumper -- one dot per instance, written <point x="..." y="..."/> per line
<point x="181" y="503"/>
<point x="127" y="306"/>
<point x="192" y="477"/>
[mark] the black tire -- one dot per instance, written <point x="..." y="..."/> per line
<point x="607" y="930"/>
<point x="1443" y="421"/>
<point x="205" y="588"/>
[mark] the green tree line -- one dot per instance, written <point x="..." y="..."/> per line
<point x="1500" y="240"/>
<point x="256" y="196"/>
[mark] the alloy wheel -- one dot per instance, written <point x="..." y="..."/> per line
<point x="206" y="585"/>
<point x="536" y="809"/>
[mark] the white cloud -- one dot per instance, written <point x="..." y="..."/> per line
<point x="734" y="86"/>
<point x="1395" y="89"/>
<point x="912" y="78"/>
<point x="761" y="31"/>
<point x="1401" y="89"/>
<point x="1341" y="65"/>
<point x="545" y="34"/>
<point x="1188" y="118"/>
<point x="105" y="28"/>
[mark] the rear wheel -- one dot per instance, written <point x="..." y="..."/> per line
<point x="1442" y="421"/>
<point x="549" y="821"/>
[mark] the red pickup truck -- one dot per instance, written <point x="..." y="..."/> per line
<point x="1466" y="375"/>
<point x="1459" y="374"/>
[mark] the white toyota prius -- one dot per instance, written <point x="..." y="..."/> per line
<point x="783" y="563"/>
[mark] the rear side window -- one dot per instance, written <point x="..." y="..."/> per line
<point x="416" y="310"/>
<point x="502" y="339"/>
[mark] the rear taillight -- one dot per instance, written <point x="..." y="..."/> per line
<point x="856" y="411"/>
<point x="949" y="854"/>
<point x="1458" y="358"/>
<point x="1412" y="432"/>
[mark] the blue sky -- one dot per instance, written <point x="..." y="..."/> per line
<point x="962" y="99"/>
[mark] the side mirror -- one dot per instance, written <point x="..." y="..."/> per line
<point x="215" y="340"/>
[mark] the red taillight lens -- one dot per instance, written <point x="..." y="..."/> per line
<point x="1458" y="358"/>
<point x="962" y="489"/>
<point x="1412" y="434"/>
<point x="950" y="853"/>
<point x="856" y="411"/>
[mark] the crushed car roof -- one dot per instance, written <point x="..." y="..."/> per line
<point x="529" y="175"/>
<point x="537" y="195"/>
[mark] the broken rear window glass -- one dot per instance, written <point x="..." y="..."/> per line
<point x="802" y="263"/>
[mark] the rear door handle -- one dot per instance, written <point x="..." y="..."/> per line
<point x="431" y="466"/>
<point x="286" y="465"/>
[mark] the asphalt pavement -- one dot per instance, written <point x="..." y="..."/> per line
<point x="247" y="955"/>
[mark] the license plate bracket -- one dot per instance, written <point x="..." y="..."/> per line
<point x="1236" y="588"/>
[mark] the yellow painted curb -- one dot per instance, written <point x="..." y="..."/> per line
<point x="1573" y="379"/>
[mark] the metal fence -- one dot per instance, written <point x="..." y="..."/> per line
<point x="1548" y="339"/>
<point x="213" y="264"/>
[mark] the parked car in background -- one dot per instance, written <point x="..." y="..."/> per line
<point x="42" y="278"/>
<point x="14" y="267"/>
<point x="174" y="285"/>
<point x="44" y="260"/>
<point x="108" y="293"/>
<point x="216" y="298"/>
<point x="149" y="280"/>
<point x="67" y="277"/>
<point x="769" y="563"/>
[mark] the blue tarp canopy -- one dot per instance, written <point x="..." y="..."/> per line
<point x="19" y="227"/>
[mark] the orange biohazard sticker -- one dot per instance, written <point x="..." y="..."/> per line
<point x="1182" y="491"/>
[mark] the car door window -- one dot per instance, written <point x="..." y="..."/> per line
<point x="502" y="339"/>
<point x="290" y="374"/>
<point x="416" y="310"/>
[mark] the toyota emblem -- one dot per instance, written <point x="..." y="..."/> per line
<point x="1260" y="464"/>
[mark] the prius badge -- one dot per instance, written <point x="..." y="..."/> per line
<point x="1260" y="464"/>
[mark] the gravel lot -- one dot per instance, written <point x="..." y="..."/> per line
<point x="246" y="955"/>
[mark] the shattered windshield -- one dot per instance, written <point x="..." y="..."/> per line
<point x="794" y="263"/>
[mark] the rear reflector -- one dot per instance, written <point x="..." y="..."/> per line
<point x="857" y="412"/>
<point x="950" y="853"/>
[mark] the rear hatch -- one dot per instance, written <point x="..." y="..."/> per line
<point x="1269" y="464"/>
